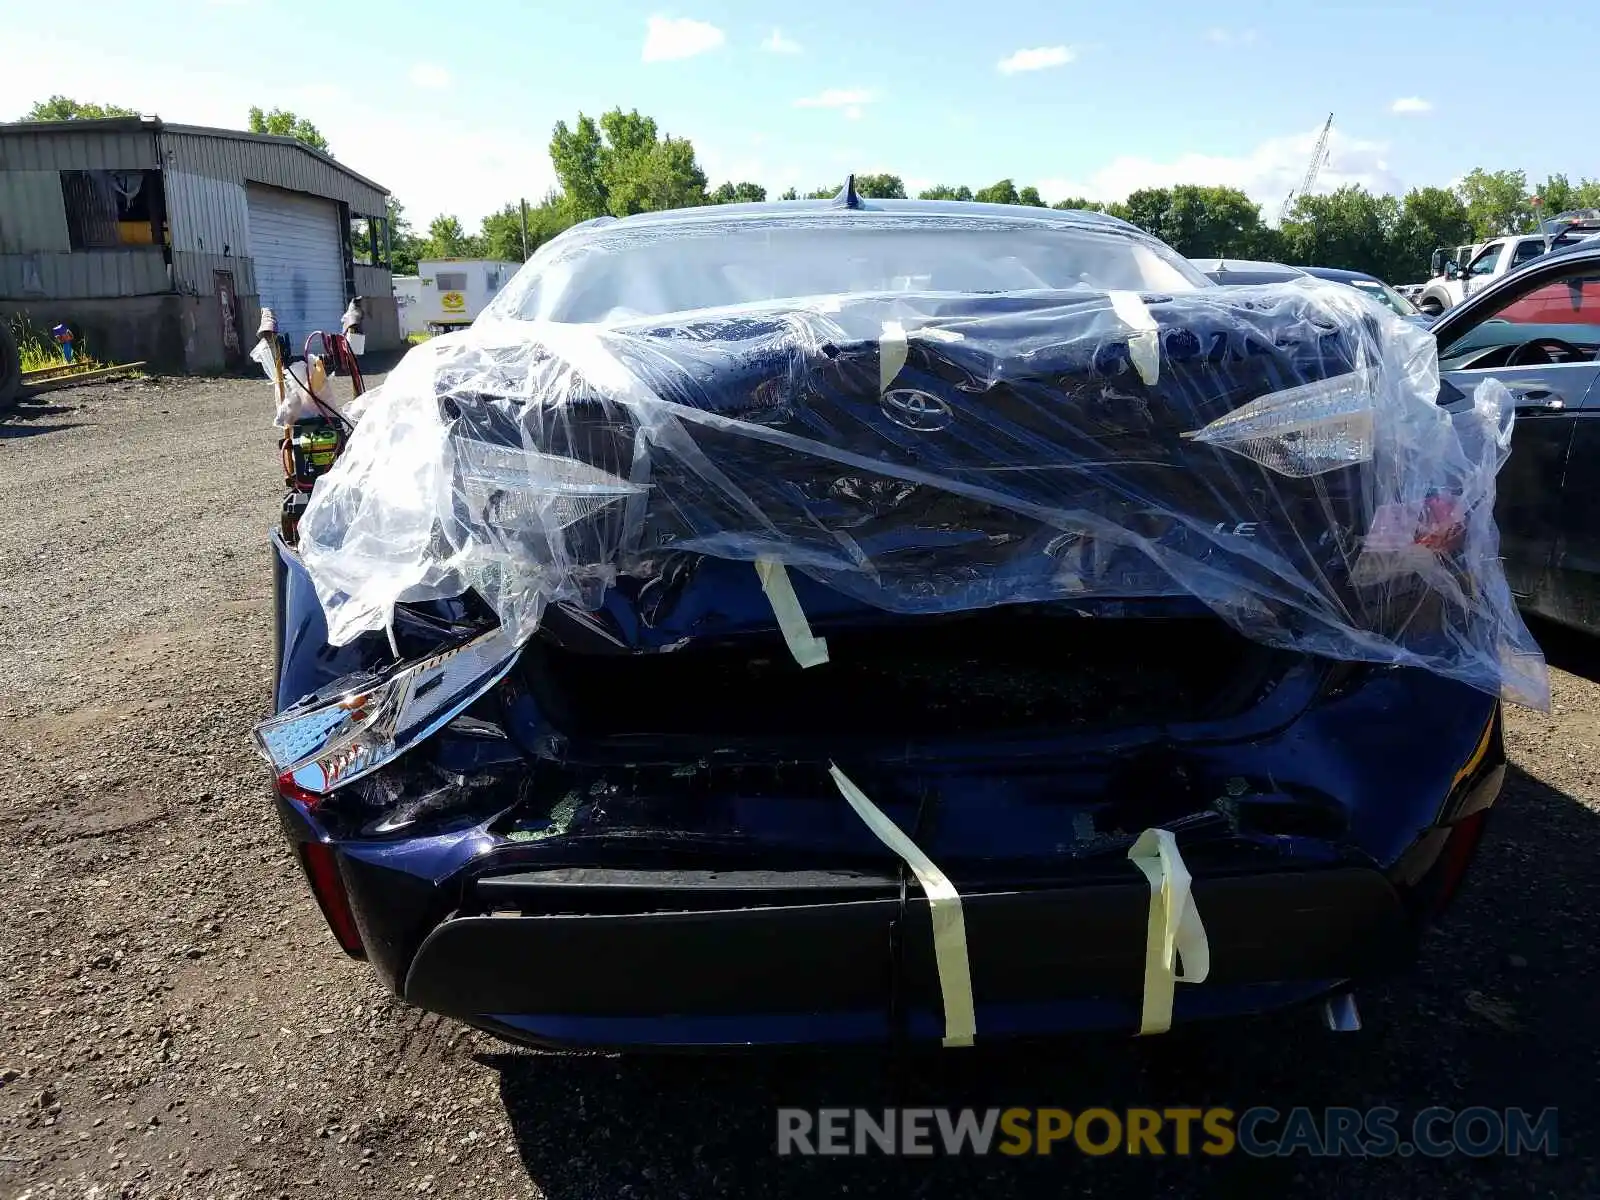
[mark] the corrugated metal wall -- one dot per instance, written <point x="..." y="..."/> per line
<point x="373" y="281"/>
<point x="207" y="215"/>
<point x="32" y="215"/>
<point x="274" y="163"/>
<point x="77" y="150"/>
<point x="197" y="272"/>
<point x="136" y="271"/>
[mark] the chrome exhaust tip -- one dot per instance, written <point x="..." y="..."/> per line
<point x="1340" y="1014"/>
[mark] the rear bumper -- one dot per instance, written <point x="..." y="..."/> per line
<point x="631" y="970"/>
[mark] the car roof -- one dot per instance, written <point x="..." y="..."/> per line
<point x="1341" y="275"/>
<point x="781" y="210"/>
<point x="1245" y="266"/>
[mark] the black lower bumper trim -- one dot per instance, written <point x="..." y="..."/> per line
<point x="666" y="957"/>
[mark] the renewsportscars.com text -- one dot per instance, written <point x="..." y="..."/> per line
<point x="1260" y="1132"/>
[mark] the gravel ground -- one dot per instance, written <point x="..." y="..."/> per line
<point x="175" y="1020"/>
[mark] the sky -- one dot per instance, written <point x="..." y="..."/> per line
<point x="450" y="107"/>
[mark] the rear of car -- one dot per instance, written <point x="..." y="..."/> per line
<point x="626" y="830"/>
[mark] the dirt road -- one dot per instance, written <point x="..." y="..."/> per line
<point x="175" y="1020"/>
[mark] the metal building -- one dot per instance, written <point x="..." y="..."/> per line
<point x="163" y="242"/>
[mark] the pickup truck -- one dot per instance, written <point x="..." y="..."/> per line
<point x="1502" y="255"/>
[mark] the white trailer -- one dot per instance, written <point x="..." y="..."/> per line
<point x="408" y="300"/>
<point x="455" y="290"/>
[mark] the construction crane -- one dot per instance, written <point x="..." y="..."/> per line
<point x="1319" y="156"/>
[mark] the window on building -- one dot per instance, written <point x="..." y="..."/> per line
<point x="452" y="281"/>
<point x="369" y="241"/>
<point x="110" y="209"/>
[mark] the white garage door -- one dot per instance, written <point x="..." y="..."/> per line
<point x="299" y="261"/>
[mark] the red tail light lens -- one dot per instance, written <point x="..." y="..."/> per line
<point x="1451" y="868"/>
<point x="1443" y="526"/>
<point x="327" y="885"/>
<point x="322" y="873"/>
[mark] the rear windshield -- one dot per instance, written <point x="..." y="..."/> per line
<point x="624" y="272"/>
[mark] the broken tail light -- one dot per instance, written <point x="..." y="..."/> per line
<point x="358" y="723"/>
<point x="1411" y="537"/>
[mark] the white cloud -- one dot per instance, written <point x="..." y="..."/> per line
<point x="430" y="76"/>
<point x="778" y="44"/>
<point x="1037" y="59"/>
<point x="1231" y="37"/>
<point x="669" y="38"/>
<point x="1411" y="104"/>
<point x="848" y="101"/>
<point x="1265" y="174"/>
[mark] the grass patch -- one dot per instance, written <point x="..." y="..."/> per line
<point x="39" y="351"/>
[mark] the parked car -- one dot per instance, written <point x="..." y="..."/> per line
<point x="1237" y="272"/>
<point x="1538" y="332"/>
<point x="1371" y="285"/>
<point x="627" y="834"/>
<point x="1240" y="272"/>
<point x="1500" y="256"/>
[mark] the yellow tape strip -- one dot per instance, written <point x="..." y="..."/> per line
<point x="1144" y="347"/>
<point x="944" y="906"/>
<point x="808" y="650"/>
<point x="1174" y="928"/>
<point x="892" y="350"/>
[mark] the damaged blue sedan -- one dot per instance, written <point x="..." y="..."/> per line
<point x="893" y="622"/>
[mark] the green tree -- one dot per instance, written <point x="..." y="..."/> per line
<point x="1004" y="192"/>
<point x="1148" y="208"/>
<point x="738" y="193"/>
<point x="1497" y="202"/>
<point x="447" y="239"/>
<point x="1557" y="195"/>
<point x="1030" y="196"/>
<point x="1561" y="195"/>
<point x="789" y="194"/>
<point x="1349" y="228"/>
<point x="662" y="176"/>
<point x="621" y="165"/>
<point x="280" y="122"/>
<point x="880" y="187"/>
<point x="64" y="108"/>
<point x="1209" y="222"/>
<point x="1079" y="203"/>
<point x="576" y="154"/>
<point x="405" y="247"/>
<point x="823" y="193"/>
<point x="1430" y="217"/>
<point x="943" y="191"/>
<point x="501" y="232"/>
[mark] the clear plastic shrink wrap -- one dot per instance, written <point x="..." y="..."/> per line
<point x="1276" y="451"/>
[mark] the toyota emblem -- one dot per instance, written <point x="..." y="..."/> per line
<point x="911" y="409"/>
